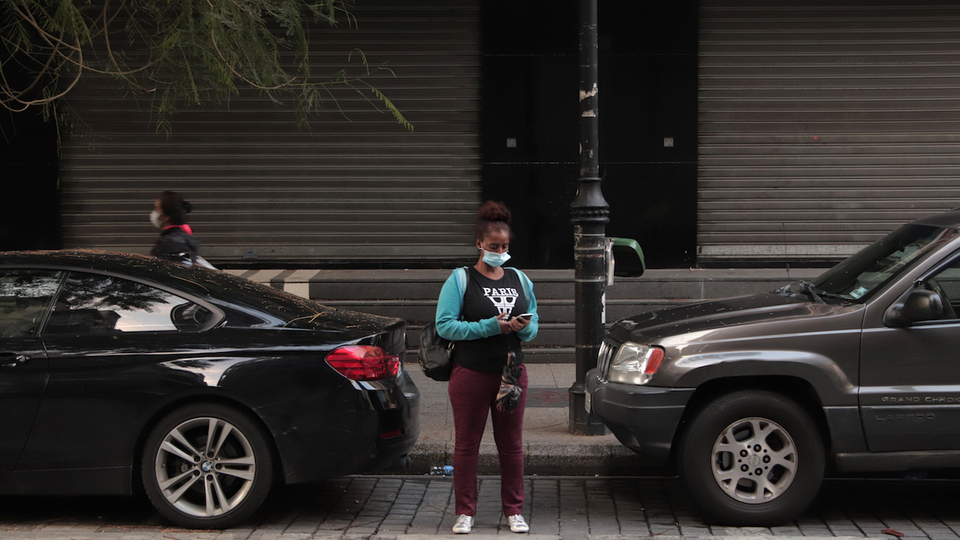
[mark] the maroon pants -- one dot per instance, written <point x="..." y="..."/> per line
<point x="472" y="395"/>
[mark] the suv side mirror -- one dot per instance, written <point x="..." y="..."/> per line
<point x="919" y="305"/>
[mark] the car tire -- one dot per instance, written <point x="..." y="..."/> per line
<point x="751" y="458"/>
<point x="199" y="485"/>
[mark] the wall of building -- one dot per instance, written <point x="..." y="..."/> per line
<point x="823" y="125"/>
<point x="355" y="189"/>
<point x="733" y="132"/>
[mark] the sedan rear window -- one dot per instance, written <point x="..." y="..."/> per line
<point x="98" y="304"/>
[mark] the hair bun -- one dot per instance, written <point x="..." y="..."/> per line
<point x="494" y="211"/>
<point x="187" y="207"/>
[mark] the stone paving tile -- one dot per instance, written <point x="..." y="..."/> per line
<point x="815" y="530"/>
<point x="870" y="527"/>
<point x="694" y="532"/>
<point x="664" y="530"/>
<point x="601" y="510"/>
<point x="542" y="505"/>
<point x="573" y="509"/>
<point x="940" y="532"/>
<point x="754" y="531"/>
<point x="633" y="527"/>
<point x="844" y="530"/>
<point x="906" y="527"/>
<point x="786" y="530"/>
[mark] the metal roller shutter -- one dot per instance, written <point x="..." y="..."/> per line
<point x="824" y="125"/>
<point x="354" y="188"/>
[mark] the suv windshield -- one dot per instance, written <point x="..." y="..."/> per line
<point x="858" y="277"/>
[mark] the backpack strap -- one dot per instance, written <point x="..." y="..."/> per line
<point x="462" y="282"/>
<point x="525" y="281"/>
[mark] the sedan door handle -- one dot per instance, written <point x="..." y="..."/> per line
<point x="12" y="360"/>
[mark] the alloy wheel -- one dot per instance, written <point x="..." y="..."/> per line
<point x="205" y="467"/>
<point x="754" y="460"/>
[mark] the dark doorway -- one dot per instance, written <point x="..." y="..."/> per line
<point x="29" y="160"/>
<point x="648" y="123"/>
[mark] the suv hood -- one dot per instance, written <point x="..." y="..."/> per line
<point x="739" y="312"/>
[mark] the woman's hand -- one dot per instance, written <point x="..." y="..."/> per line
<point x="505" y="323"/>
<point x="519" y="323"/>
<point x="511" y="324"/>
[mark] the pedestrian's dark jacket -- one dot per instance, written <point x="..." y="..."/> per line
<point x="176" y="242"/>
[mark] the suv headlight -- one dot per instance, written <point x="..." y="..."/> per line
<point x="635" y="364"/>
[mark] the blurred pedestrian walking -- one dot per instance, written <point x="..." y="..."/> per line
<point x="176" y="240"/>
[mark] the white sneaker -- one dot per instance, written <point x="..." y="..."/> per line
<point x="464" y="524"/>
<point x="517" y="524"/>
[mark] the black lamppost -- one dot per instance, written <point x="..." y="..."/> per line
<point x="589" y="213"/>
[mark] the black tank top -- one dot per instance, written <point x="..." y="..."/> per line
<point x="482" y="299"/>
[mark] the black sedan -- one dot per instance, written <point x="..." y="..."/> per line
<point x="206" y="388"/>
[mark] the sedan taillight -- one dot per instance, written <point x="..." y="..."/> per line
<point x="364" y="362"/>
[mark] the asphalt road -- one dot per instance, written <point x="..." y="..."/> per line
<point x="420" y="507"/>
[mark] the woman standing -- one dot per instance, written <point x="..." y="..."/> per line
<point x="481" y="311"/>
<point x="176" y="238"/>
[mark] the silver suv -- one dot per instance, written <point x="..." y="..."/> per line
<point x="754" y="398"/>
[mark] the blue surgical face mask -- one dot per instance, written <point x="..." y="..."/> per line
<point x="495" y="259"/>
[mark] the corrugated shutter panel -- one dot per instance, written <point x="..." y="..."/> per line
<point x="824" y="125"/>
<point x="354" y="187"/>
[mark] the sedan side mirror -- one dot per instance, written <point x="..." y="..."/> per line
<point x="919" y="305"/>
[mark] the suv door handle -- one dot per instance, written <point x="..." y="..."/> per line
<point x="12" y="360"/>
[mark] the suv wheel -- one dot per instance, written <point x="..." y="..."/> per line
<point x="752" y="458"/>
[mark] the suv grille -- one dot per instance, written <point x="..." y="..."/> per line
<point x="603" y="359"/>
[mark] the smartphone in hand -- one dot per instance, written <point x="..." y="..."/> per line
<point x="525" y="316"/>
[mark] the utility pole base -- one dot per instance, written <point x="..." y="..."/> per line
<point x="582" y="423"/>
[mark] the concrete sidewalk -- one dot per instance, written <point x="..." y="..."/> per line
<point x="549" y="446"/>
